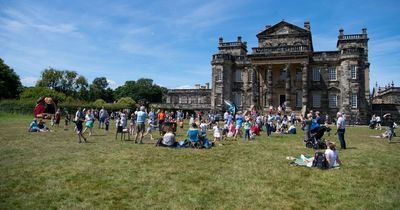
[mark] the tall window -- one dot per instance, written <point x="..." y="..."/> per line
<point x="354" y="102"/>
<point x="218" y="75"/>
<point x="316" y="74"/>
<point x="298" y="75"/>
<point x="282" y="76"/>
<point x="332" y="73"/>
<point x="353" y="70"/>
<point x="332" y="101"/>
<point x="238" y="75"/>
<point x="237" y="99"/>
<point x="316" y="99"/>
<point x="251" y="74"/>
<point x="299" y="97"/>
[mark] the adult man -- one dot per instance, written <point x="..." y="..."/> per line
<point x="340" y="126"/>
<point x="140" y="124"/>
<point x="102" y="117"/>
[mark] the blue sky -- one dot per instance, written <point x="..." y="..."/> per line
<point x="172" y="41"/>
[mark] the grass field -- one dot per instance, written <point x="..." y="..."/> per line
<point x="52" y="171"/>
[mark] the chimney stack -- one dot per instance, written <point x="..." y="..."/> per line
<point x="207" y="85"/>
<point x="221" y="40"/>
<point x="307" y="25"/>
<point x="197" y="86"/>
<point x="239" y="39"/>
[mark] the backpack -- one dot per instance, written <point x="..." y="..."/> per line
<point x="320" y="161"/>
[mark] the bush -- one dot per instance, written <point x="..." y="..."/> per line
<point x="17" y="106"/>
<point x="34" y="93"/>
<point x="128" y="102"/>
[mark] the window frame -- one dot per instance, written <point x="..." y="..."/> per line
<point x="314" y="76"/>
<point x="318" y="104"/>
<point x="332" y="71"/>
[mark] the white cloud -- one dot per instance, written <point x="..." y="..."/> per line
<point x="184" y="87"/>
<point x="112" y="84"/>
<point x="29" y="81"/>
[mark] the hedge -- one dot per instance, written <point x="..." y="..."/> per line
<point x="28" y="106"/>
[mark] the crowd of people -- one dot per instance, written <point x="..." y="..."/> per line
<point x="241" y="125"/>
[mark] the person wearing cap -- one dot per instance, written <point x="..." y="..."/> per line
<point x="140" y="124"/>
<point x="340" y="129"/>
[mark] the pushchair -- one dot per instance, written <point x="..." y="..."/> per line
<point x="315" y="141"/>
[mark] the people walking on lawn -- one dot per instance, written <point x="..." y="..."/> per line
<point x="340" y="129"/>
<point x="239" y="124"/>
<point x="141" y="117"/>
<point x="79" y="127"/>
<point x="247" y="126"/>
<point x="89" y="121"/>
<point x="102" y="117"/>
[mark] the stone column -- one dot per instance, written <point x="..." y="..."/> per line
<point x="304" y="81"/>
<point x="287" y="88"/>
<point x="269" y="85"/>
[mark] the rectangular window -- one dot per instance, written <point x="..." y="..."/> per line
<point x="353" y="70"/>
<point x="251" y="74"/>
<point x="183" y="100"/>
<point x="332" y="101"/>
<point x="332" y="73"/>
<point x="237" y="99"/>
<point x="316" y="74"/>
<point x="282" y="75"/>
<point x="218" y="75"/>
<point x="238" y="75"/>
<point x="299" y="98"/>
<point x="298" y="75"/>
<point x="354" y="101"/>
<point x="316" y="98"/>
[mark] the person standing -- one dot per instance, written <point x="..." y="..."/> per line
<point x="340" y="126"/>
<point x="140" y="124"/>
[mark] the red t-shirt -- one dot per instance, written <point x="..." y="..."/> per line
<point x="39" y="109"/>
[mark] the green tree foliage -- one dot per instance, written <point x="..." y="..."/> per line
<point x="98" y="90"/>
<point x="67" y="82"/>
<point x="33" y="93"/>
<point x="141" y="90"/>
<point x="10" y="84"/>
<point x="99" y="103"/>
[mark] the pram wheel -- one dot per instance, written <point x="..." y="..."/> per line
<point x="309" y="145"/>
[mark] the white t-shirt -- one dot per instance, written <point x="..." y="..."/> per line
<point x="168" y="139"/>
<point x="217" y="132"/>
<point x="331" y="156"/>
<point x="203" y="127"/>
<point x="341" y="123"/>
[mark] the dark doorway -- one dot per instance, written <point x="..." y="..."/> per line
<point x="282" y="99"/>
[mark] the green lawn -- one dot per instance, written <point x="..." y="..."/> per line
<point x="52" y="171"/>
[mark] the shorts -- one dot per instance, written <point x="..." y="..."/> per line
<point x="102" y="119"/>
<point x="140" y="128"/>
<point x="89" y="124"/>
<point x="238" y="127"/>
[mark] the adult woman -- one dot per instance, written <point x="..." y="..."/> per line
<point x="89" y="121"/>
<point x="193" y="133"/>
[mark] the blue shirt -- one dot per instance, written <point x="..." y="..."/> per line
<point x="141" y="117"/>
<point x="192" y="134"/>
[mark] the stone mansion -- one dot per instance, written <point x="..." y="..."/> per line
<point x="285" y="69"/>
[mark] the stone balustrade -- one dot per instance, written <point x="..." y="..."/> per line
<point x="281" y="49"/>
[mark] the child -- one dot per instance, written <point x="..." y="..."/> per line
<point x="247" y="126"/>
<point x="57" y="117"/>
<point x="52" y="121"/>
<point x="149" y="129"/>
<point x="232" y="129"/>
<point x="67" y="118"/>
<point x="203" y="127"/>
<point x="217" y="132"/>
<point x="79" y="128"/>
<point x="107" y="124"/>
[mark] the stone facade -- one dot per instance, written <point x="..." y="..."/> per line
<point x="386" y="100"/>
<point x="196" y="99"/>
<point x="284" y="69"/>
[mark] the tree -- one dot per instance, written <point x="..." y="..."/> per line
<point x="33" y="93"/>
<point x="10" y="84"/>
<point x="51" y="78"/>
<point x="141" y="90"/>
<point x="97" y="89"/>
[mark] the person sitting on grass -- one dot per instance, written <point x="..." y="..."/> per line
<point x="193" y="133"/>
<point x="168" y="139"/>
<point x="34" y="126"/>
<point x="332" y="156"/>
<point x="292" y="129"/>
<point x="42" y="126"/>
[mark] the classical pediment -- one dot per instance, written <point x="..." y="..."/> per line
<point x="282" y="28"/>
